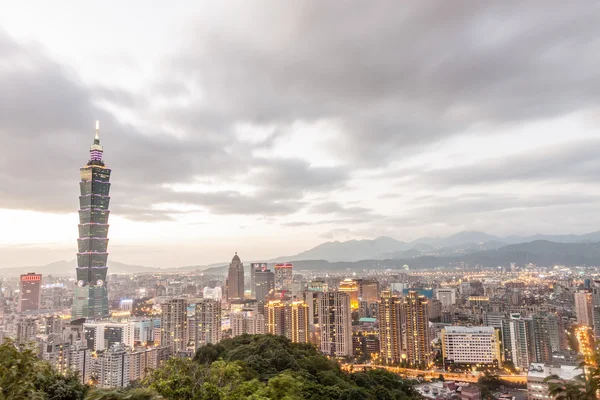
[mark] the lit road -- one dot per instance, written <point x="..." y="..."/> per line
<point x="436" y="373"/>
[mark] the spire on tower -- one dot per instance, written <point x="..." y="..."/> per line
<point x="97" y="137"/>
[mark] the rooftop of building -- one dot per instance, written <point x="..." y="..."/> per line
<point x="469" y="329"/>
<point x="541" y="370"/>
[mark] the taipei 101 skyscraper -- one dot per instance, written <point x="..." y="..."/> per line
<point x="91" y="295"/>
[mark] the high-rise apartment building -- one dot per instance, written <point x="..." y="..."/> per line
<point x="27" y="329"/>
<point x="470" y="346"/>
<point x="264" y="281"/>
<point x="447" y="296"/>
<point x="518" y="340"/>
<point x="208" y="322"/>
<point x="297" y="326"/>
<point x="390" y="328"/>
<point x="335" y="322"/>
<point x="111" y="367"/>
<point x="173" y="325"/>
<point x="546" y="337"/>
<point x="284" y="276"/>
<point x="418" y="337"/>
<point x="276" y="317"/>
<point x="250" y="323"/>
<point x="584" y="307"/>
<point x="90" y="295"/>
<point x="235" y="279"/>
<point x="31" y="293"/>
<point x="254" y="267"/>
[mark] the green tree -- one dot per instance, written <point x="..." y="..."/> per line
<point x="584" y="386"/>
<point x="24" y="376"/>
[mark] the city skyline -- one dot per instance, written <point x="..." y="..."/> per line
<point x="259" y="130"/>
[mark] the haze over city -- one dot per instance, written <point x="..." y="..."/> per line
<point x="269" y="130"/>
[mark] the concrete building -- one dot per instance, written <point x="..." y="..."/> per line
<point x="30" y="292"/>
<point x="418" y="337"/>
<point x="251" y="323"/>
<point x="235" y="279"/>
<point x="518" y="341"/>
<point x="447" y="296"/>
<point x="208" y="322"/>
<point x="111" y="367"/>
<point x="254" y="267"/>
<point x="350" y="286"/>
<point x="470" y="346"/>
<point x="537" y="388"/>
<point x="335" y="322"/>
<point x="390" y="328"/>
<point x="173" y="325"/>
<point x="284" y="274"/>
<point x="264" y="281"/>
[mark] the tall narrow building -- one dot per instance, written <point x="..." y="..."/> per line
<point x="91" y="295"/>
<point x="173" y="325"/>
<point x="418" y="337"/>
<point x="30" y="285"/>
<point x="335" y="321"/>
<point x="208" y="322"/>
<point x="235" y="279"/>
<point x="284" y="276"/>
<point x="390" y="328"/>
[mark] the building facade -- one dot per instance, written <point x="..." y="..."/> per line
<point x="235" y="279"/>
<point x="284" y="276"/>
<point x="173" y="325"/>
<point x="91" y="294"/>
<point x="390" y="328"/>
<point x="418" y="337"/>
<point x="208" y="322"/>
<point x="31" y="293"/>
<point x="470" y="346"/>
<point x="335" y="322"/>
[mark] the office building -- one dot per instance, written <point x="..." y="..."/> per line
<point x="284" y="276"/>
<point x="335" y="322"/>
<point x="418" y="337"/>
<point x="253" y="268"/>
<point x="235" y="279"/>
<point x="584" y="307"/>
<point x="368" y="290"/>
<point x="470" y="346"/>
<point x="264" y="281"/>
<point x="208" y="322"/>
<point x="350" y="286"/>
<point x="447" y="296"/>
<point x="31" y="294"/>
<point x="173" y="325"/>
<point x="90" y="294"/>
<point x="390" y="328"/>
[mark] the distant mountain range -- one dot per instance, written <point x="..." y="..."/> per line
<point x="474" y="248"/>
<point x="458" y="244"/>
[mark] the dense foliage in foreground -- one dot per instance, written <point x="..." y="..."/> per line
<point x="258" y="367"/>
<point x="269" y="367"/>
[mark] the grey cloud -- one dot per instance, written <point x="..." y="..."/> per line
<point x="397" y="76"/>
<point x="46" y="115"/>
<point x="573" y="162"/>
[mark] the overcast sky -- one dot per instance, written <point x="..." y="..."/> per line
<point x="269" y="127"/>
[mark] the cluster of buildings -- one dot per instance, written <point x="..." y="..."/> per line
<point x="453" y="319"/>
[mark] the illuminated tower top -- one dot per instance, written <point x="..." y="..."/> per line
<point x="96" y="148"/>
